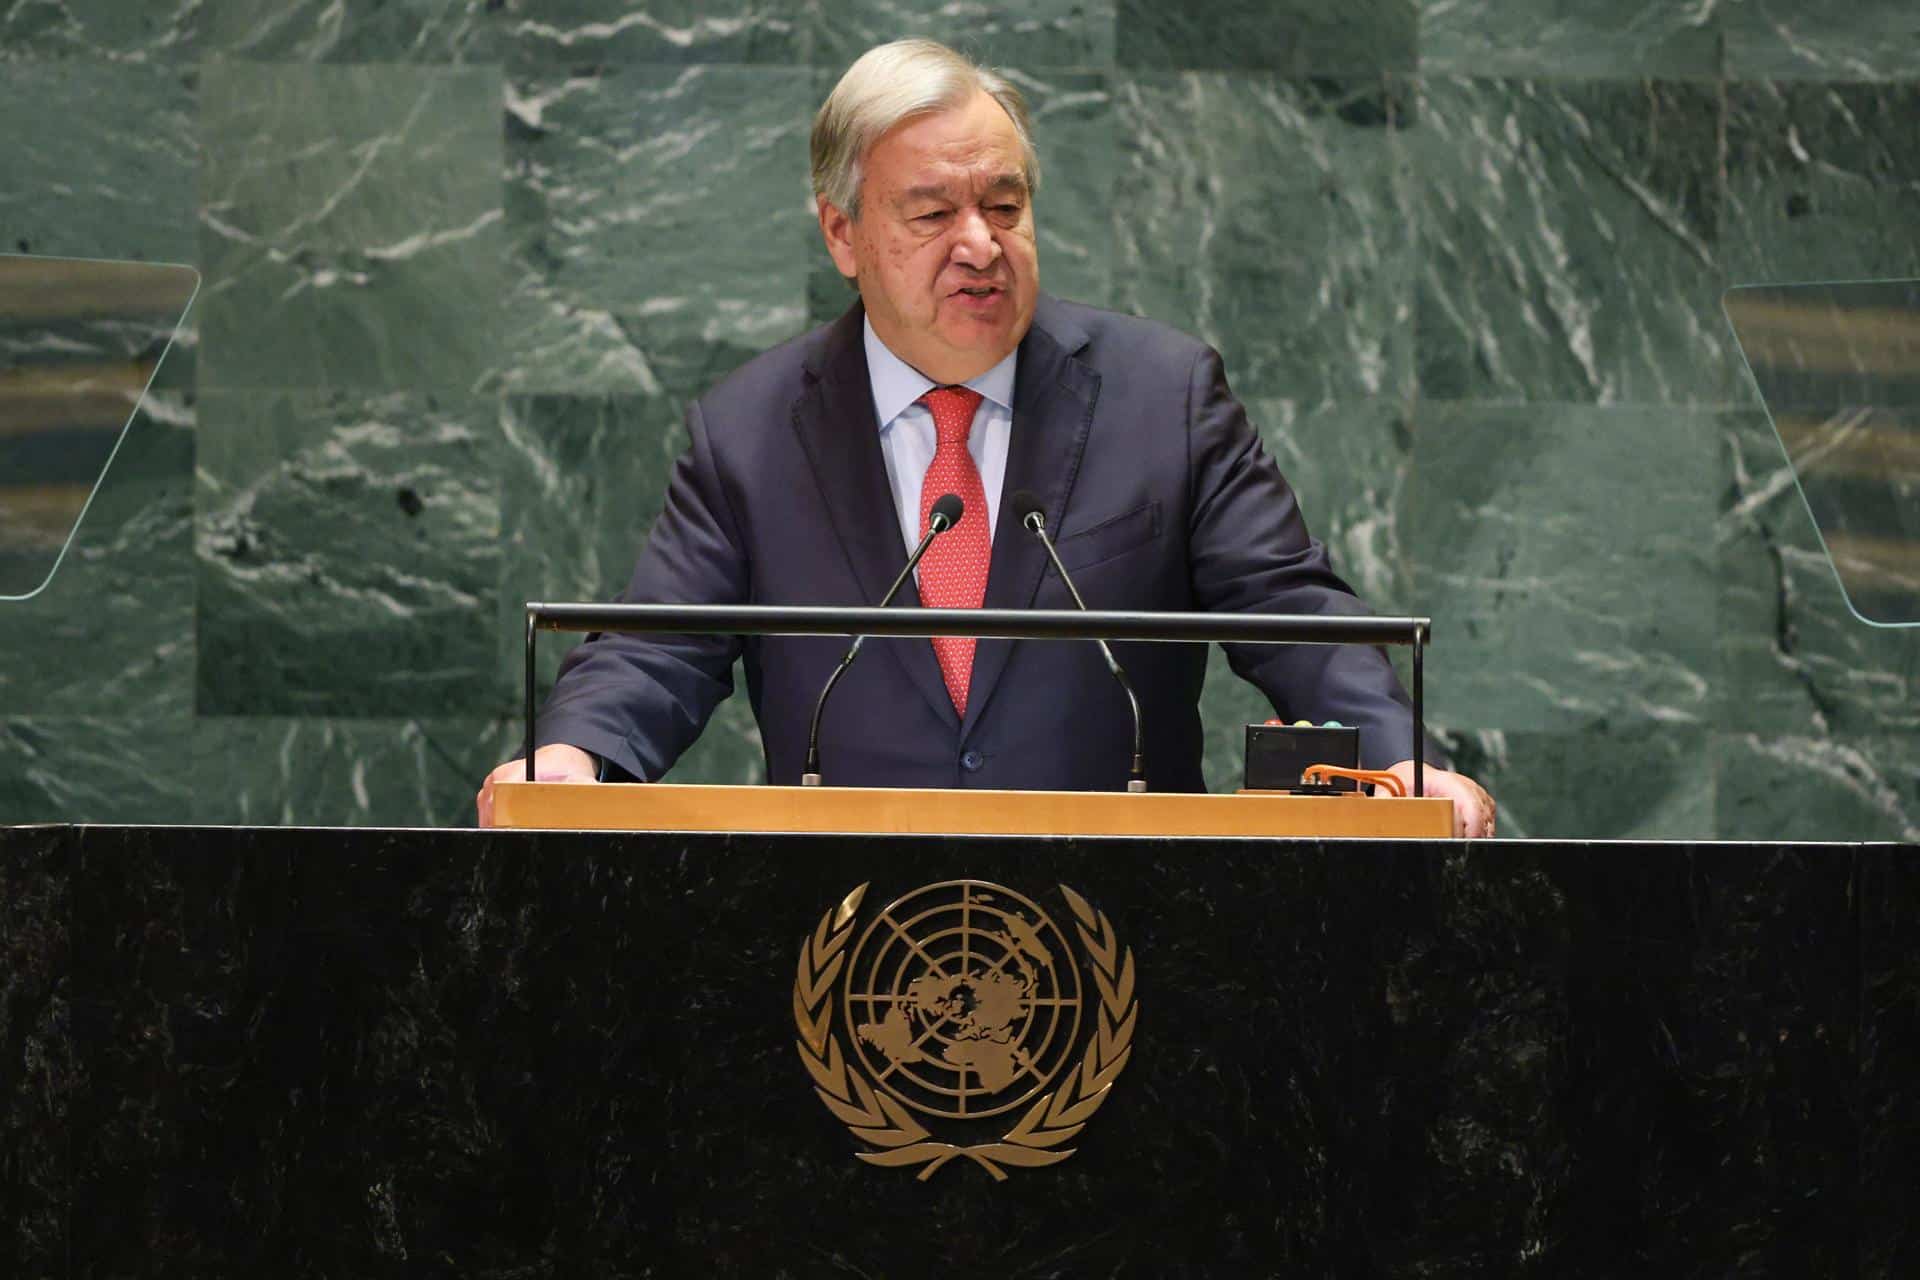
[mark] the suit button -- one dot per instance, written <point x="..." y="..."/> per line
<point x="971" y="761"/>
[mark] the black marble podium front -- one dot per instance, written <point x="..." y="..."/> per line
<point x="286" y="1052"/>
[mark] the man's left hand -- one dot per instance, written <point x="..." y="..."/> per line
<point x="1473" y="808"/>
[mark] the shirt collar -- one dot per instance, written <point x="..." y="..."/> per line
<point x="897" y="384"/>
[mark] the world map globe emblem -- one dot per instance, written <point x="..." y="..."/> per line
<point x="962" y="999"/>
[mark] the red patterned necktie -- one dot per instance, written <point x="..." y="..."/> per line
<point x="953" y="573"/>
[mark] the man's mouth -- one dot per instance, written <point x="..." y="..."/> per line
<point x="980" y="291"/>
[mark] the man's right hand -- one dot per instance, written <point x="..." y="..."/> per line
<point x="555" y="762"/>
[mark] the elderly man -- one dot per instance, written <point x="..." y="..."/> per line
<point x="813" y="470"/>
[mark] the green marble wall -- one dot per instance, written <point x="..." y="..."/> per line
<point x="465" y="261"/>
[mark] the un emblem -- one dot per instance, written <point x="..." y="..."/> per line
<point x="960" y="1002"/>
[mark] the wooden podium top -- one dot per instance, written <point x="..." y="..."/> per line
<point x="900" y="811"/>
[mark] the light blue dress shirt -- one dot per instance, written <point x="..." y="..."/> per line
<point x="907" y="436"/>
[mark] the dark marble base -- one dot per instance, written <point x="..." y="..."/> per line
<point x="382" y="1053"/>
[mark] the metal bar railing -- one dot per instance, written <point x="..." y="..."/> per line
<point x="1008" y="624"/>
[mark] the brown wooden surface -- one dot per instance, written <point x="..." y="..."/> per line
<point x="865" y="810"/>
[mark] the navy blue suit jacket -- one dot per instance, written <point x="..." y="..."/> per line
<point x="1160" y="496"/>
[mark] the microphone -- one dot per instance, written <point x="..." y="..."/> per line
<point x="1033" y="515"/>
<point x="946" y="513"/>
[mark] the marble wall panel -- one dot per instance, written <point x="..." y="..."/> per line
<point x="1740" y="39"/>
<point x="1776" y="786"/>
<point x="1791" y="658"/>
<point x="94" y="769"/>
<point x="658" y="220"/>
<point x="111" y="31"/>
<point x="1567" y="241"/>
<point x="601" y="33"/>
<point x="1565" y="555"/>
<point x="1631" y="781"/>
<point x="1037" y="34"/>
<point x="99" y="160"/>
<point x="1296" y="37"/>
<point x="112" y="633"/>
<point x="1626" y="38"/>
<point x="1808" y="40"/>
<point x="582" y="480"/>
<point x="348" y="554"/>
<point x="1074" y="132"/>
<point x="1272" y="218"/>
<point x="308" y="771"/>
<point x="1823" y="183"/>
<point x="346" y="31"/>
<point x="1348" y="464"/>
<point x="350" y="230"/>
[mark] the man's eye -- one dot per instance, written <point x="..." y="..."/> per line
<point x="935" y="216"/>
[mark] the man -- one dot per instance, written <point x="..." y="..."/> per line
<point x="813" y="468"/>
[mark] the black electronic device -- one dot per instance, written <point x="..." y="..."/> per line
<point x="1278" y="752"/>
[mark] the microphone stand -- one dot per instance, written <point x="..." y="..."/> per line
<point x="937" y="524"/>
<point x="1137" y="779"/>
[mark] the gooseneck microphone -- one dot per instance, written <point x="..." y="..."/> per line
<point x="1033" y="516"/>
<point x="946" y="513"/>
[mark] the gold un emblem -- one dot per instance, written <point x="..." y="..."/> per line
<point x="961" y="1003"/>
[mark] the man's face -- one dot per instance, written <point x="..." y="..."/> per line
<point x="943" y="249"/>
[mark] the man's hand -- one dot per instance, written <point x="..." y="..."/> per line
<point x="1473" y="808"/>
<point x="555" y="762"/>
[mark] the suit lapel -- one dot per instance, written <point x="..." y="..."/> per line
<point x="834" y="419"/>
<point x="1053" y="398"/>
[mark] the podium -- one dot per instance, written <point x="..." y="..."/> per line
<point x="340" y="1053"/>
<point x="910" y="811"/>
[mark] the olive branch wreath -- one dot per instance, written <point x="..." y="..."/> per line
<point x="882" y="1121"/>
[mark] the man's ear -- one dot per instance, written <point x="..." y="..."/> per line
<point x="837" y="229"/>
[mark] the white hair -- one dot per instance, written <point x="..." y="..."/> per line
<point x="891" y="83"/>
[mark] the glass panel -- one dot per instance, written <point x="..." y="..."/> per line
<point x="1838" y="366"/>
<point x="80" y="341"/>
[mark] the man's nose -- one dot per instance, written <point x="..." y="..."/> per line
<point x="974" y="244"/>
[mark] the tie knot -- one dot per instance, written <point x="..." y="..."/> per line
<point x="952" y="412"/>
